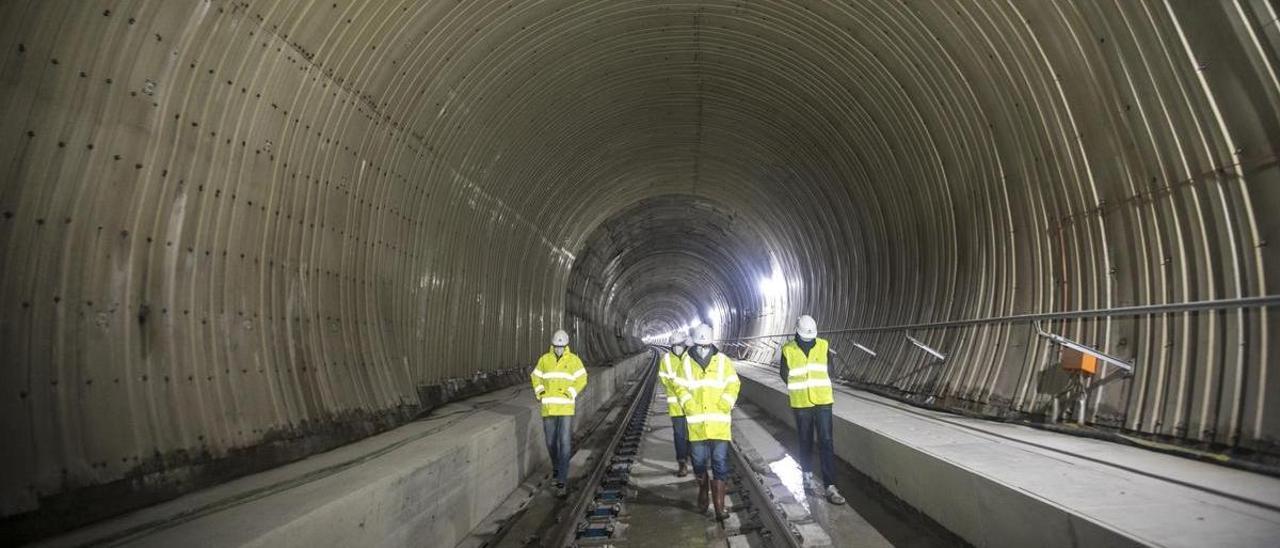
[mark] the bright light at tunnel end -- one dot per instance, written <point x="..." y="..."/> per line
<point x="775" y="286"/>
<point x="665" y="337"/>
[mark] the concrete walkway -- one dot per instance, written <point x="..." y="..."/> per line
<point x="997" y="484"/>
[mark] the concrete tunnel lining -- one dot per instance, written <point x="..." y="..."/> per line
<point x="255" y="229"/>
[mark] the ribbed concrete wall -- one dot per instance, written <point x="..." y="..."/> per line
<point x="236" y="225"/>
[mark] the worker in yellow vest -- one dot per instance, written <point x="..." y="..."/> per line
<point x="804" y="369"/>
<point x="558" y="379"/>
<point x="669" y="373"/>
<point x="707" y="390"/>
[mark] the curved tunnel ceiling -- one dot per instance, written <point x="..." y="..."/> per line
<point x="232" y="223"/>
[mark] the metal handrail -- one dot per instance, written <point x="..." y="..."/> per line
<point x="1264" y="301"/>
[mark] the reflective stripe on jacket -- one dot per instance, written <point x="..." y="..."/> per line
<point x="808" y="381"/>
<point x="669" y="374"/>
<point x="557" y="381"/>
<point x="708" y="395"/>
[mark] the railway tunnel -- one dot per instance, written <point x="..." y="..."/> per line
<point x="244" y="236"/>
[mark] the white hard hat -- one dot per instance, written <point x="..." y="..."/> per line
<point x="560" y="338"/>
<point x="702" y="335"/>
<point x="678" y="338"/>
<point x="807" y="328"/>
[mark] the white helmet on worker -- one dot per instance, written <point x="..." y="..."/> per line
<point x="806" y="328"/>
<point x="702" y="335"/>
<point x="560" y="338"/>
<point x="678" y="338"/>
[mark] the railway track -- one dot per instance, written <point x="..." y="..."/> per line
<point x="630" y="497"/>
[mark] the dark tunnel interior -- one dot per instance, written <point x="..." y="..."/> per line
<point x="239" y="232"/>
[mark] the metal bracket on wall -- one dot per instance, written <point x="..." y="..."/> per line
<point x="942" y="359"/>
<point x="1060" y="340"/>
<point x="926" y="348"/>
<point x="1083" y="387"/>
<point x="865" y="349"/>
<point x="844" y="369"/>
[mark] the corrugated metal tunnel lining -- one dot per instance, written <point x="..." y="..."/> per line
<point x="663" y="264"/>
<point x="230" y="226"/>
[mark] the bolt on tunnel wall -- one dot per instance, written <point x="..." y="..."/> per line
<point x="231" y="225"/>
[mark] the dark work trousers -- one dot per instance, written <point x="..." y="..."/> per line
<point x="811" y="420"/>
<point x="680" y="433"/>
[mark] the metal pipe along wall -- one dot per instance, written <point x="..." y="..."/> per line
<point x="246" y="227"/>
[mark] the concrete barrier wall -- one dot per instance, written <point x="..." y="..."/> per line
<point x="449" y="497"/>
<point x="428" y="483"/>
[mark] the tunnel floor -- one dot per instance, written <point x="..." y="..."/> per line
<point x="662" y="512"/>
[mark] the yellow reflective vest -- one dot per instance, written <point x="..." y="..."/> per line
<point x="557" y="381"/>
<point x="708" y="395"/>
<point x="808" y="382"/>
<point x="668" y="371"/>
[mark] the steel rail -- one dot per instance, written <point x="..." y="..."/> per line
<point x="564" y="533"/>
<point x="770" y="513"/>
<point x="1264" y="301"/>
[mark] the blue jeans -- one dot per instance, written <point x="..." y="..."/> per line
<point x="559" y="433"/>
<point x="680" y="433"/>
<point x="808" y="421"/>
<point x="715" y="450"/>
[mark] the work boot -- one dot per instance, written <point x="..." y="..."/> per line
<point x="834" y="496"/>
<point x="704" y="493"/>
<point x="717" y="490"/>
<point x="684" y="469"/>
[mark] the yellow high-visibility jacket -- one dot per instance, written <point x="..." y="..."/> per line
<point x="557" y="381"/>
<point x="708" y="395"/>
<point x="669" y="374"/>
<point x="808" y="381"/>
